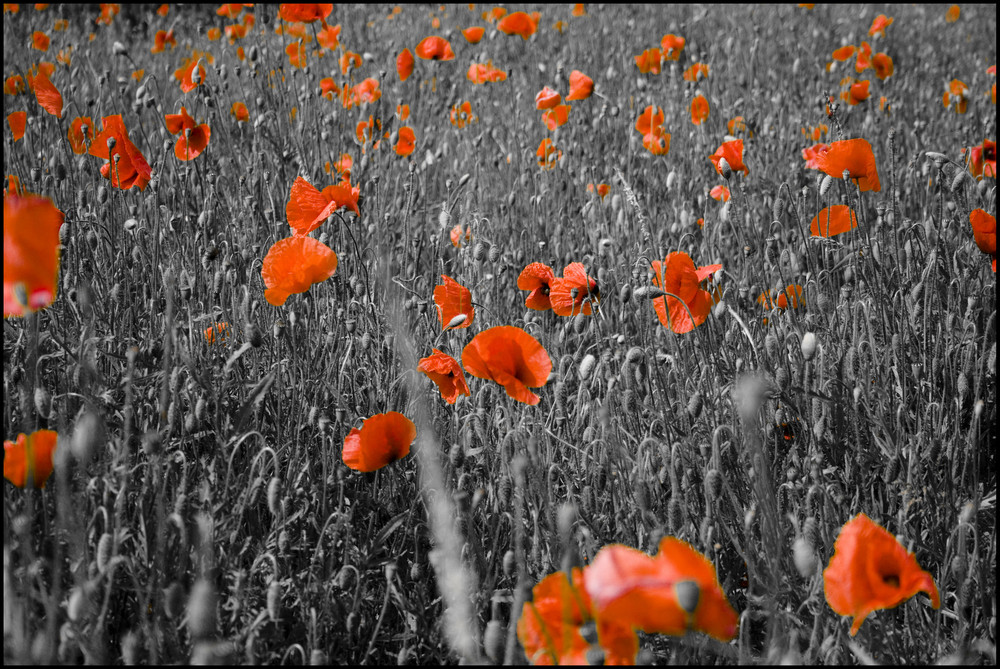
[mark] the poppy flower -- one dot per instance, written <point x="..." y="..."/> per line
<point x="549" y="627"/>
<point x="699" y="110"/>
<point x="537" y="278"/>
<point x="456" y="235"/>
<point x="675" y="591"/>
<point x="40" y="41"/>
<point x="230" y="9"/>
<point x="574" y="292"/>
<point x="131" y="169"/>
<point x="161" y="40"/>
<point x="46" y="93"/>
<point x="328" y="88"/>
<point x="494" y="14"/>
<point x="547" y="154"/>
<point x="445" y="371"/>
<point x="239" y="110"/>
<point x="833" y="221"/>
<point x="435" y="48"/>
<point x="329" y="37"/>
<point x="957" y="90"/>
<point x="27" y="463"/>
<point x="473" y="35"/>
<point x="738" y="124"/>
<point x="672" y="46"/>
<point x="696" y="72"/>
<point x="679" y="276"/>
<point x="864" y="60"/>
<point x="308" y="207"/>
<point x="382" y="439"/>
<point x="304" y="13"/>
<point x="791" y="295"/>
<point x="30" y="253"/>
<point x="109" y="10"/>
<point x="406" y="142"/>
<point x="214" y="34"/>
<point x="293" y="265"/>
<point x="402" y="112"/>
<point x="649" y="61"/>
<point x="13" y="85"/>
<point x="720" y="193"/>
<point x="366" y="92"/>
<point x="856" y="93"/>
<point x="556" y="117"/>
<point x="81" y="129"/>
<point x="404" y="64"/>
<point x="871" y="570"/>
<point x="480" y="73"/>
<point x="343" y="165"/>
<point x="811" y="155"/>
<point x="193" y="138"/>
<point x="882" y="64"/>
<point x="17" y="121"/>
<point x="855" y="157"/>
<point x="191" y="74"/>
<point x="733" y="153"/>
<point x="952" y="14"/>
<point x="218" y="332"/>
<point x="547" y="98"/>
<point x="844" y="53"/>
<point x="984" y="229"/>
<point x="511" y="357"/>
<point x="518" y="23"/>
<point x="983" y="159"/>
<point x="580" y="86"/>
<point x="602" y="189"/>
<point x="650" y="126"/>
<point x="657" y="142"/>
<point x="579" y="10"/>
<point x="879" y="25"/>
<point x="453" y="300"/>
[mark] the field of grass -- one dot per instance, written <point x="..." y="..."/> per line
<point x="199" y="507"/>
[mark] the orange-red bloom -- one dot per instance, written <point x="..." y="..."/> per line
<point x="855" y="157"/>
<point x="28" y="462"/>
<point x="511" y="357"/>
<point x="672" y="46"/>
<point x="13" y="85"/>
<point x="649" y="61"/>
<point x="193" y="138"/>
<point x="547" y="154"/>
<point x="239" y="110"/>
<point x="445" y="371"/>
<point x="293" y="265"/>
<point x="481" y="73"/>
<point x="191" y="74"/>
<point x="833" y="221"/>
<point x="537" y="278"/>
<point x="984" y="229"/>
<point x="131" y="169"/>
<point x="40" y="41"/>
<point x="216" y="333"/>
<point x="699" y="110"/>
<point x="518" y="23"/>
<point x="882" y="64"/>
<point x="695" y="72"/>
<point x="602" y="189"/>
<point x="404" y="64"/>
<point x="329" y="37"/>
<point x="473" y="35"/>
<point x="453" y="300"/>
<point x="456" y="235"/>
<point x="161" y="40"/>
<point x="46" y="93"/>
<point x="17" y="121"/>
<point x="556" y="117"/>
<point x="983" y="159"/>
<point x="844" y="53"/>
<point x="733" y="153"/>
<point x="461" y="114"/>
<point x="406" y="141"/>
<point x="791" y="295"/>
<point x="670" y="593"/>
<point x="574" y="292"/>
<point x="109" y="10"/>
<point x="435" y="48"/>
<point x="879" y="25"/>
<point x="720" y="193"/>
<point x="580" y="86"/>
<point x="382" y="439"/>
<point x="952" y="14"/>
<point x="304" y="13"/>
<point x="856" y="93"/>
<point x="650" y="126"/>
<point x="30" y="253"/>
<point x="688" y="305"/>
<point x="959" y="91"/>
<point x="307" y="207"/>
<point x="547" y="98"/>
<point x="871" y="570"/>
<point x="80" y="130"/>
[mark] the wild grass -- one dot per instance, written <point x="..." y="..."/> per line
<point x="200" y="509"/>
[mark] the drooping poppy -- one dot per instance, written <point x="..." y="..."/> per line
<point x="293" y="265"/>
<point x="406" y="142"/>
<point x="131" y="169"/>
<point x="17" y="121"/>
<point x="193" y="138"/>
<point x="549" y="627"/>
<point x="879" y="25"/>
<point x="46" y="93"/>
<point x="382" y="439"/>
<point x="556" y="117"/>
<point x="548" y="155"/>
<point x="473" y="35"/>
<point x="239" y="110"/>
<point x="855" y="157"/>
<point x="308" y="207"/>
<point x="453" y="300"/>
<point x="688" y="305"/>
<point x="447" y="374"/>
<point x="304" y="13"/>
<point x="27" y="463"/>
<point x="695" y="72"/>
<point x="80" y="130"/>
<point x="216" y="333"/>
<point x="649" y="61"/>
<point x="435" y="48"/>
<point x="882" y="64"/>
<point x="674" y="592"/>
<point x="30" y="253"/>
<point x="733" y="153"/>
<point x="574" y="292"/>
<point x="518" y="23"/>
<point x="191" y="74"/>
<point x="536" y="278"/>
<point x="456" y="235"/>
<point x="404" y="64"/>
<point x="547" y="98"/>
<point x="983" y="159"/>
<point x="699" y="110"/>
<point x="871" y="570"/>
<point x="580" y="86"/>
<point x="984" y="230"/>
<point x="833" y="221"/>
<point x="161" y="40"/>
<point x="482" y="73"/>
<point x="511" y="357"/>
<point x="720" y="193"/>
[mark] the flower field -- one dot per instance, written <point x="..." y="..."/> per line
<point x="461" y="333"/>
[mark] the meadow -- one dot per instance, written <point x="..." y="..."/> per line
<point x="251" y="267"/>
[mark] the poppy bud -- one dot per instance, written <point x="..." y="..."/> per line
<point x="494" y="639"/>
<point x="494" y="254"/>
<point x="825" y="185"/>
<point x="675" y="513"/>
<point x="804" y="557"/>
<point x="508" y="564"/>
<point x="695" y="405"/>
<point x="274" y="600"/>
<point x="625" y="294"/>
<point x="724" y="169"/>
<point x="104" y="546"/>
<point x="713" y="484"/>
<point x="809" y="345"/>
<point x="43" y="402"/>
<point x="201" y="610"/>
<point x="479" y="252"/>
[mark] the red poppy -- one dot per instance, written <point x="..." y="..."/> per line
<point x="109" y="10"/>
<point x="547" y="154"/>
<point x="791" y="296"/>
<point x="579" y="10"/>
<point x="833" y="221"/>
<point x="844" y="52"/>
<point x="402" y="112"/>
<point x="406" y="142"/>
<point x="518" y="23"/>
<point x="366" y="92"/>
<point x="230" y="10"/>
<point x="131" y="169"/>
<point x="17" y="121"/>
<point x="214" y="34"/>
<point x="329" y="37"/>
<point x="580" y="86"/>
<point x="679" y="276"/>
<point x="40" y="41"/>
<point x="193" y="138"/>
<point x="404" y="64"/>
<point x="556" y="117"/>
<point x="480" y="73"/>
<point x="445" y="371"/>
<point x="382" y="439"/>
<point x="239" y="110"/>
<point x="854" y="156"/>
<point x="574" y="292"/>
<point x="456" y="235"/>
<point x="864" y="60"/>
<point x="473" y="35"/>
<point x="602" y="189"/>
<point x="511" y="357"/>
<point x="952" y="14"/>
<point x="30" y="253"/>
<point x="28" y="462"/>
<point x="494" y="14"/>
<point x="984" y="230"/>
<point x="983" y="159"/>
<point x="453" y="300"/>
<point x="811" y="155"/>
<point x="304" y="13"/>
<point x="13" y="85"/>
<point x="672" y="46"/>
<point x="161" y="40"/>
<point x="308" y="207"/>
<point x="650" y="126"/>
<point x="216" y="333"/>
<point x="368" y="132"/>
<point x="344" y="165"/>
<point x="191" y="74"/>
<point x="957" y="90"/>
<point x="879" y="25"/>
<point x="293" y="265"/>
<point x="547" y="98"/>
<point x="670" y="593"/>
<point x="81" y="129"/>
<point x="537" y="278"/>
<point x="435" y="48"/>
<point x="733" y="153"/>
<point x="649" y="61"/>
<point x="871" y="570"/>
<point x="696" y="72"/>
<point x="699" y="110"/>
<point x="883" y="66"/>
<point x="46" y="93"/>
<point x="856" y="92"/>
<point x="720" y="193"/>
<point x="549" y="627"/>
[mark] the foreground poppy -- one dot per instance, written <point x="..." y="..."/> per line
<point x="445" y="371"/>
<point x="382" y="439"/>
<point x="293" y="265"/>
<point x="518" y="23"/>
<point x="453" y="300"/>
<point x="871" y="570"/>
<point x="674" y="592"/>
<point x="307" y="207"/>
<point x="983" y="159"/>
<point x="129" y="170"/>
<point x="17" y="121"/>
<point x="984" y="230"/>
<point x="549" y="627"/>
<point x="537" y="278"/>
<point x="48" y="96"/>
<point x="30" y="253"/>
<point x="193" y="138"/>
<point x="511" y="357"/>
<point x="580" y="86"/>
<point x="855" y="157"/>
<point x="27" y="463"/>
<point x="679" y="276"/>
<point x="435" y="48"/>
<point x="833" y="221"/>
<point x="574" y="293"/>
<point x="733" y="153"/>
